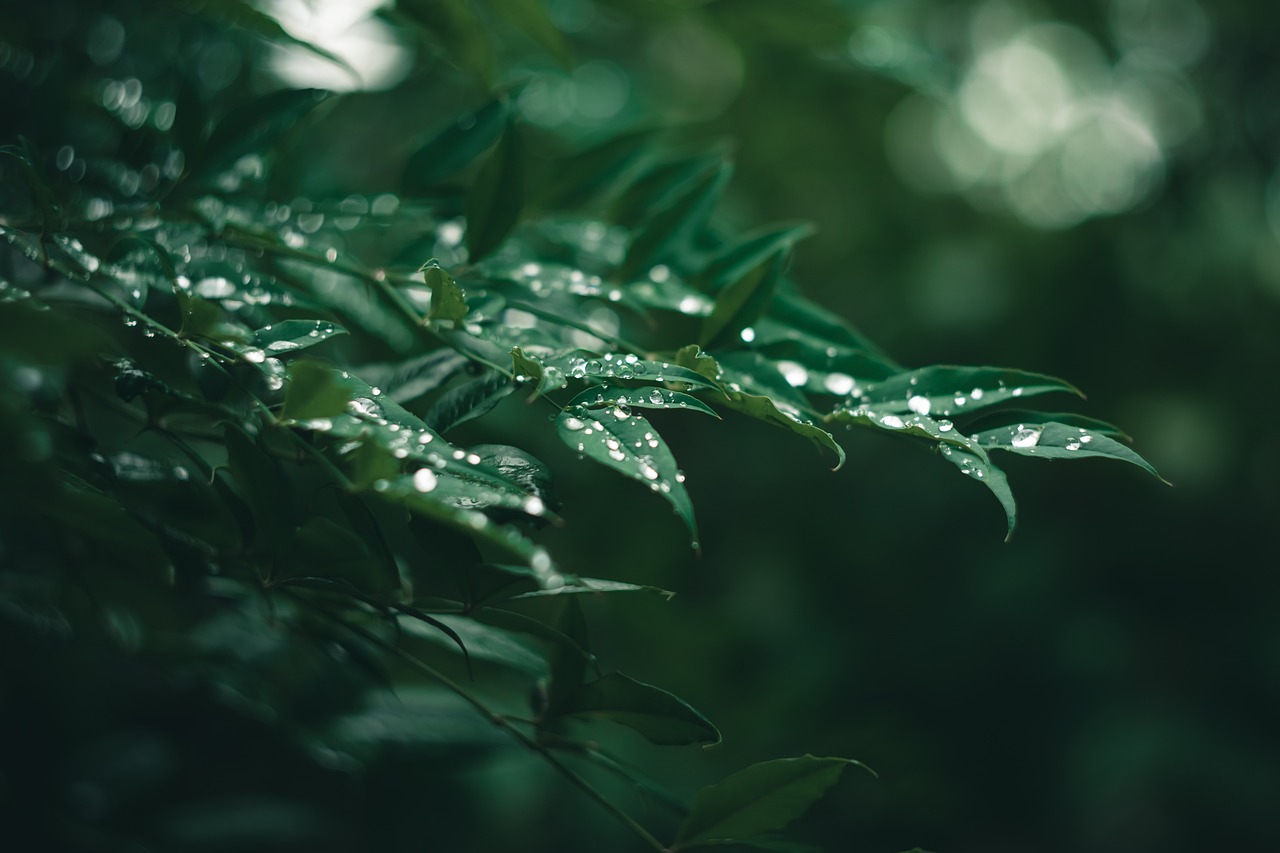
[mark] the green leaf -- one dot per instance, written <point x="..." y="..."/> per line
<point x="980" y="467"/>
<point x="282" y="340"/>
<point x="531" y="18"/>
<point x="482" y="642"/>
<point x="262" y="483"/>
<point x="595" y="171"/>
<point x="738" y="259"/>
<point x="947" y="391"/>
<point x="454" y="147"/>
<point x="408" y="380"/>
<point x="316" y="390"/>
<point x="497" y="196"/>
<point x="472" y="399"/>
<point x="671" y="227"/>
<point x="629" y="444"/>
<point x="616" y="365"/>
<point x="448" y="302"/>
<point x="762" y="798"/>
<point x="254" y="126"/>
<point x="528" y="370"/>
<point x="741" y="302"/>
<point x="1053" y="440"/>
<point x="644" y="398"/>
<point x="661" y="717"/>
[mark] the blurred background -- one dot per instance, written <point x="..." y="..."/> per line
<point x="1088" y="190"/>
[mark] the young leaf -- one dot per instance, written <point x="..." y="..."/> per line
<point x="448" y="302"/>
<point x="528" y="369"/>
<point x="450" y="150"/>
<point x="628" y="443"/>
<point x="497" y="196"/>
<point x="661" y="717"/>
<point x="762" y="798"/>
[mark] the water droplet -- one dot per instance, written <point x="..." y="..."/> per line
<point x="945" y="426"/>
<point x="256" y="356"/>
<point x="655" y="397"/>
<point x="1085" y="439"/>
<point x="594" y="366"/>
<point x="892" y="422"/>
<point x="839" y="383"/>
<point x="424" y="479"/>
<point x="331" y="254"/>
<point x="679" y="476"/>
<point x="617" y="455"/>
<point x="1023" y="437"/>
<point x="794" y="374"/>
<point x="540" y="562"/>
<point x="473" y="459"/>
<point x="748" y="334"/>
<point x="919" y="405"/>
<point x="976" y="393"/>
<point x="621" y="412"/>
<point x="648" y="471"/>
<point x="573" y="424"/>
<point x="535" y="506"/>
<point x="960" y="401"/>
<point x="1073" y="445"/>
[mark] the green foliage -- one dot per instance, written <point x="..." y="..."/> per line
<point x="244" y="421"/>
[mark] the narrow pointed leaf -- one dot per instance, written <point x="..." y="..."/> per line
<point x="454" y="147"/>
<point x="981" y="468"/>
<point x="593" y="172"/>
<point x="741" y="302"/>
<point x="762" y="798"/>
<point x="629" y="444"/>
<point x="532" y="19"/>
<point x="410" y="379"/>
<point x="659" y="716"/>
<point x="672" y="226"/>
<point x="736" y="260"/>
<point x="256" y="125"/>
<point x="1052" y="440"/>
<point x="946" y="391"/>
<point x="497" y="196"/>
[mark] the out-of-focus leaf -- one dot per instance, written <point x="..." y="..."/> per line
<point x="262" y="483"/>
<point x="256" y="125"/>
<point x="496" y="198"/>
<point x="454" y="26"/>
<point x="661" y="717"/>
<point x="740" y="302"/>
<point x="454" y="147"/>
<point x="762" y="798"/>
<point x="531" y="18"/>
<point x="736" y="260"/>
<point x="594" y="172"/>
<point x="316" y="390"/>
<point x="629" y="444"/>
<point x="674" y="224"/>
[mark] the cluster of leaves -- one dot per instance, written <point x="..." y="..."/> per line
<point x="234" y="420"/>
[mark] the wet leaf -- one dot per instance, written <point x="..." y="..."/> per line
<point x="281" y="340"/>
<point x="616" y="365"/>
<point x="472" y="399"/>
<point x="448" y="302"/>
<point x="607" y="396"/>
<point x="661" y="717"/>
<point x="980" y="467"/>
<point x="762" y="798"/>
<point x="1047" y="439"/>
<point x="629" y="444"/>
<point x="947" y="391"/>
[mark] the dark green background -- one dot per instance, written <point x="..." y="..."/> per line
<point x="1108" y="680"/>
